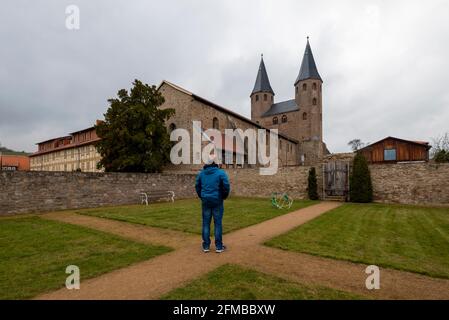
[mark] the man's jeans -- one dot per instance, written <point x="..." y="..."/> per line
<point x="217" y="213"/>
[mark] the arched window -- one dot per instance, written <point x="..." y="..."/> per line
<point x="304" y="116"/>
<point x="172" y="127"/>
<point x="275" y="120"/>
<point x="257" y="97"/>
<point x="215" y="124"/>
<point x="314" y="86"/>
<point x="314" y="101"/>
<point x="264" y="97"/>
<point x="304" y="86"/>
<point x="284" y="119"/>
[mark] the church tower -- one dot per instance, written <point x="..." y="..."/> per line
<point x="262" y="96"/>
<point x="308" y="97"/>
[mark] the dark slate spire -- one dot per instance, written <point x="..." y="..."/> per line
<point x="308" y="67"/>
<point x="262" y="82"/>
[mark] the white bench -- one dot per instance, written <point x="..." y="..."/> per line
<point x="156" y="195"/>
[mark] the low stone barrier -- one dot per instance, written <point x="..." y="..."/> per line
<point x="32" y="191"/>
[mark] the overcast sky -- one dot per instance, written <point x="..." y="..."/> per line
<point x="385" y="64"/>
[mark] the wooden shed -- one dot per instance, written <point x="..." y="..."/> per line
<point x="392" y="150"/>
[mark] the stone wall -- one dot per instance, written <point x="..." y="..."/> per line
<point x="23" y="192"/>
<point x="293" y="180"/>
<point x="406" y="183"/>
<point x="411" y="183"/>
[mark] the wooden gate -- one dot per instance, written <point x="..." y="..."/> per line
<point x="336" y="180"/>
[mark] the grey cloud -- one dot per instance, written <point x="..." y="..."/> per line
<point x="383" y="63"/>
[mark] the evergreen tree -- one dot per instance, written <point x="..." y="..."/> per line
<point x="361" y="188"/>
<point x="133" y="135"/>
<point x="312" y="184"/>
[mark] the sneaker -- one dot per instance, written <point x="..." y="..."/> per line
<point x="223" y="248"/>
<point x="205" y="250"/>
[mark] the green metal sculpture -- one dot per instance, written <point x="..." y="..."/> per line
<point x="281" y="200"/>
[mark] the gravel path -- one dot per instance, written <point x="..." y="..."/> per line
<point x="136" y="232"/>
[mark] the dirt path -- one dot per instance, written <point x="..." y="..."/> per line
<point x="342" y="275"/>
<point x="155" y="277"/>
<point x="139" y="233"/>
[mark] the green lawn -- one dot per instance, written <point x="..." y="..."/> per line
<point x="35" y="252"/>
<point x="231" y="282"/>
<point x="185" y="215"/>
<point x="402" y="237"/>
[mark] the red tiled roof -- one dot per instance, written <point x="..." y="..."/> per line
<point x="67" y="146"/>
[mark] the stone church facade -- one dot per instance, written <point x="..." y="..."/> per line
<point x="299" y="120"/>
<point x="191" y="107"/>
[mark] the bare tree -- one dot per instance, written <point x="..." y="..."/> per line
<point x="356" y="144"/>
<point x="440" y="143"/>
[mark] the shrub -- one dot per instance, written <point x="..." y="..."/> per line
<point x="441" y="156"/>
<point x="361" y="188"/>
<point x="312" y="185"/>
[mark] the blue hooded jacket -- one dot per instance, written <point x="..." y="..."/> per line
<point x="212" y="185"/>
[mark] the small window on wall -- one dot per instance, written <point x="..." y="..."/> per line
<point x="314" y="101"/>
<point x="284" y="119"/>
<point x="304" y="87"/>
<point x="314" y="86"/>
<point x="389" y="154"/>
<point x="304" y="116"/>
<point x="215" y="124"/>
<point x="264" y="97"/>
<point x="257" y="97"/>
<point x="275" y="120"/>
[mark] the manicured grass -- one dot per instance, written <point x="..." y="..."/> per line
<point x="231" y="282"/>
<point x="185" y="215"/>
<point x="402" y="237"/>
<point x="35" y="252"/>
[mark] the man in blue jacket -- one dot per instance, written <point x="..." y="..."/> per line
<point x="212" y="186"/>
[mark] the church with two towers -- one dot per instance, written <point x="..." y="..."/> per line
<point x="299" y="120"/>
<point x="301" y="117"/>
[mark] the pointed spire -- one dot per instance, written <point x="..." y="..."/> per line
<point x="262" y="82"/>
<point x="308" y="67"/>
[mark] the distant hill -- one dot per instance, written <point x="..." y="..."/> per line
<point x="5" y="151"/>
